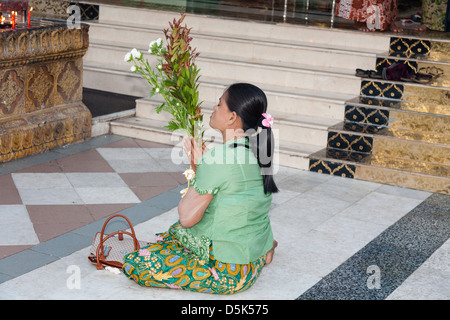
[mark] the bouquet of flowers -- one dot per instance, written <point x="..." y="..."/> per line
<point x="175" y="78"/>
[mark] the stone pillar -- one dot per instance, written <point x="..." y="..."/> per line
<point x="41" y="82"/>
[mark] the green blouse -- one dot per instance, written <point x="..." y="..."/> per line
<point x="236" y="222"/>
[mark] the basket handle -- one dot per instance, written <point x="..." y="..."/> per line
<point x="102" y="240"/>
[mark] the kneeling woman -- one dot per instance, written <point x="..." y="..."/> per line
<point x="223" y="237"/>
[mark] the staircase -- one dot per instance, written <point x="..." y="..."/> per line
<point x="307" y="73"/>
<point x="396" y="132"/>
<point x="327" y="119"/>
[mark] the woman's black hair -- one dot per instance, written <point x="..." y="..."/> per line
<point x="250" y="102"/>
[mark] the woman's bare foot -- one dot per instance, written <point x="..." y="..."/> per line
<point x="394" y="28"/>
<point x="362" y="26"/>
<point x="421" y="27"/>
<point x="271" y="252"/>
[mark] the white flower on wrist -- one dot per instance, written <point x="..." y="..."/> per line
<point x="183" y="192"/>
<point x="189" y="174"/>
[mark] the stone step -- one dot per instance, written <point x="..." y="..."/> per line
<point x="414" y="105"/>
<point x="397" y="114"/>
<point x="295" y="101"/>
<point x="352" y="131"/>
<point x="392" y="162"/>
<point x="287" y="153"/>
<point x="299" y="76"/>
<point x="412" y="93"/>
<point x="419" y="48"/>
<point x="440" y="70"/>
<point x="281" y="32"/>
<point x="240" y="47"/>
<point x="406" y="173"/>
<point x="285" y="99"/>
<point x="404" y="151"/>
<point x="386" y="148"/>
<point x="291" y="128"/>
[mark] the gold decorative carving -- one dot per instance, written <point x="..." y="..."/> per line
<point x="42" y="44"/>
<point x="41" y="89"/>
<point x="11" y="91"/>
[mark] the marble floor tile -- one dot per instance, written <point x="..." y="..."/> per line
<point x="145" y="193"/>
<point x="169" y="166"/>
<point x="176" y="154"/>
<point x="47" y="167"/>
<point x="315" y="203"/>
<point x="426" y="282"/>
<point x="16" y="226"/>
<point x="8" y="193"/>
<point x="50" y="221"/>
<point x="352" y="233"/>
<point x="343" y="189"/>
<point x="40" y="180"/>
<point x="49" y="196"/>
<point x="136" y="165"/>
<point x="404" y="192"/>
<point x="9" y="196"/>
<point x="149" y="179"/>
<point x="283" y="196"/>
<point x="151" y="144"/>
<point x="300" y="221"/>
<point x="123" y="143"/>
<point x="8" y="250"/>
<point x="179" y="177"/>
<point x="86" y="161"/>
<point x="380" y="208"/>
<point x="297" y="184"/>
<point x="123" y="154"/>
<point x="95" y="179"/>
<point x="99" y="211"/>
<point x="96" y="195"/>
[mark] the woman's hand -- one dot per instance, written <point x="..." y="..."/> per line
<point x="193" y="150"/>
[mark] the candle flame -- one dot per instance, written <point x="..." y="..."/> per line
<point x="31" y="9"/>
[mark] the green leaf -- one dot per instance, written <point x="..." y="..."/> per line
<point x="172" y="126"/>
<point x="159" y="109"/>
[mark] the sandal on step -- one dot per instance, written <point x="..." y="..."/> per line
<point x="375" y="75"/>
<point x="362" y="73"/>
<point x="414" y="77"/>
<point x="432" y="71"/>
